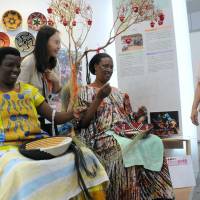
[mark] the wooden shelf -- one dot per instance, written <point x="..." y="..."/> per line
<point x="177" y="143"/>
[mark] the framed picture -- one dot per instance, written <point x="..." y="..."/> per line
<point x="165" y="124"/>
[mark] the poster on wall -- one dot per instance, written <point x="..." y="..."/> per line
<point x="147" y="62"/>
<point x="165" y="124"/>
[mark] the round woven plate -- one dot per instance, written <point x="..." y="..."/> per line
<point x="25" y="41"/>
<point x="46" y="148"/>
<point x="4" y="40"/>
<point x="12" y="20"/>
<point x="36" y="20"/>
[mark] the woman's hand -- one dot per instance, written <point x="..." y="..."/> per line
<point x="194" y="117"/>
<point x="51" y="76"/>
<point x="54" y="79"/>
<point x="79" y="112"/>
<point x="104" y="91"/>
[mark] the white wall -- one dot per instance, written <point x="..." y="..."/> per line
<point x="102" y="21"/>
<point x="25" y="8"/>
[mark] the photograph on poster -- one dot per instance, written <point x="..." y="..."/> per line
<point x="166" y="124"/>
<point x="132" y="42"/>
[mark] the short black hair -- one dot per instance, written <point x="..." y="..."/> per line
<point x="41" y="52"/>
<point x="8" y="51"/>
<point x="96" y="60"/>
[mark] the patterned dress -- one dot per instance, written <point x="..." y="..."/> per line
<point x="132" y="183"/>
<point x="18" y="114"/>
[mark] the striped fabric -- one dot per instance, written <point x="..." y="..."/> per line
<point x="56" y="179"/>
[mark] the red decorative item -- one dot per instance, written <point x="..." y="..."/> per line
<point x="152" y="24"/>
<point x="50" y="22"/>
<point x="77" y="10"/>
<point x="89" y="22"/>
<point x="65" y="22"/>
<point x="161" y="16"/>
<point x="74" y="23"/>
<point x="49" y="10"/>
<point x="135" y="9"/>
<point x="122" y="17"/>
<point x="36" y="20"/>
<point x="160" y="22"/>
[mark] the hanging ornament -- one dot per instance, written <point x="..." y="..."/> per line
<point x="65" y="22"/>
<point x="160" y="22"/>
<point x="135" y="9"/>
<point x="77" y="10"/>
<point x="152" y="24"/>
<point x="161" y="16"/>
<point x="49" y="10"/>
<point x="89" y="22"/>
<point x="50" y="22"/>
<point x="121" y="17"/>
<point x="74" y="23"/>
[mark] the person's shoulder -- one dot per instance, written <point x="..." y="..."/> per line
<point x="30" y="59"/>
<point x="27" y="87"/>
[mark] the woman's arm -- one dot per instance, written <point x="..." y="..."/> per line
<point x="90" y="113"/>
<point x="60" y="117"/>
<point x="196" y="101"/>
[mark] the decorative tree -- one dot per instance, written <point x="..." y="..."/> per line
<point x="76" y="17"/>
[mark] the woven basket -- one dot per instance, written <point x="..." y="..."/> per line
<point x="46" y="148"/>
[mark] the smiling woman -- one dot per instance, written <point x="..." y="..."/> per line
<point x="10" y="68"/>
<point x="20" y="103"/>
<point x="109" y="127"/>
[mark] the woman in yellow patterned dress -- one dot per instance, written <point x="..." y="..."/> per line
<point x="19" y="105"/>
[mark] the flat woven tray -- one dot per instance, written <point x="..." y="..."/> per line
<point x="46" y="148"/>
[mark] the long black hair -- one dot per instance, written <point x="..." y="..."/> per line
<point x="41" y="51"/>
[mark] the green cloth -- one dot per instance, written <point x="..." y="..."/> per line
<point x="147" y="152"/>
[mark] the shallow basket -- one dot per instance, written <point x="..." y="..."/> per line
<point x="46" y="148"/>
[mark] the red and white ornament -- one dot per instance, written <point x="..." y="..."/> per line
<point x="89" y="22"/>
<point x="50" y="10"/>
<point x="121" y="18"/>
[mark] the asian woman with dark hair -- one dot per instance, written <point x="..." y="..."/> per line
<point x="40" y="68"/>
